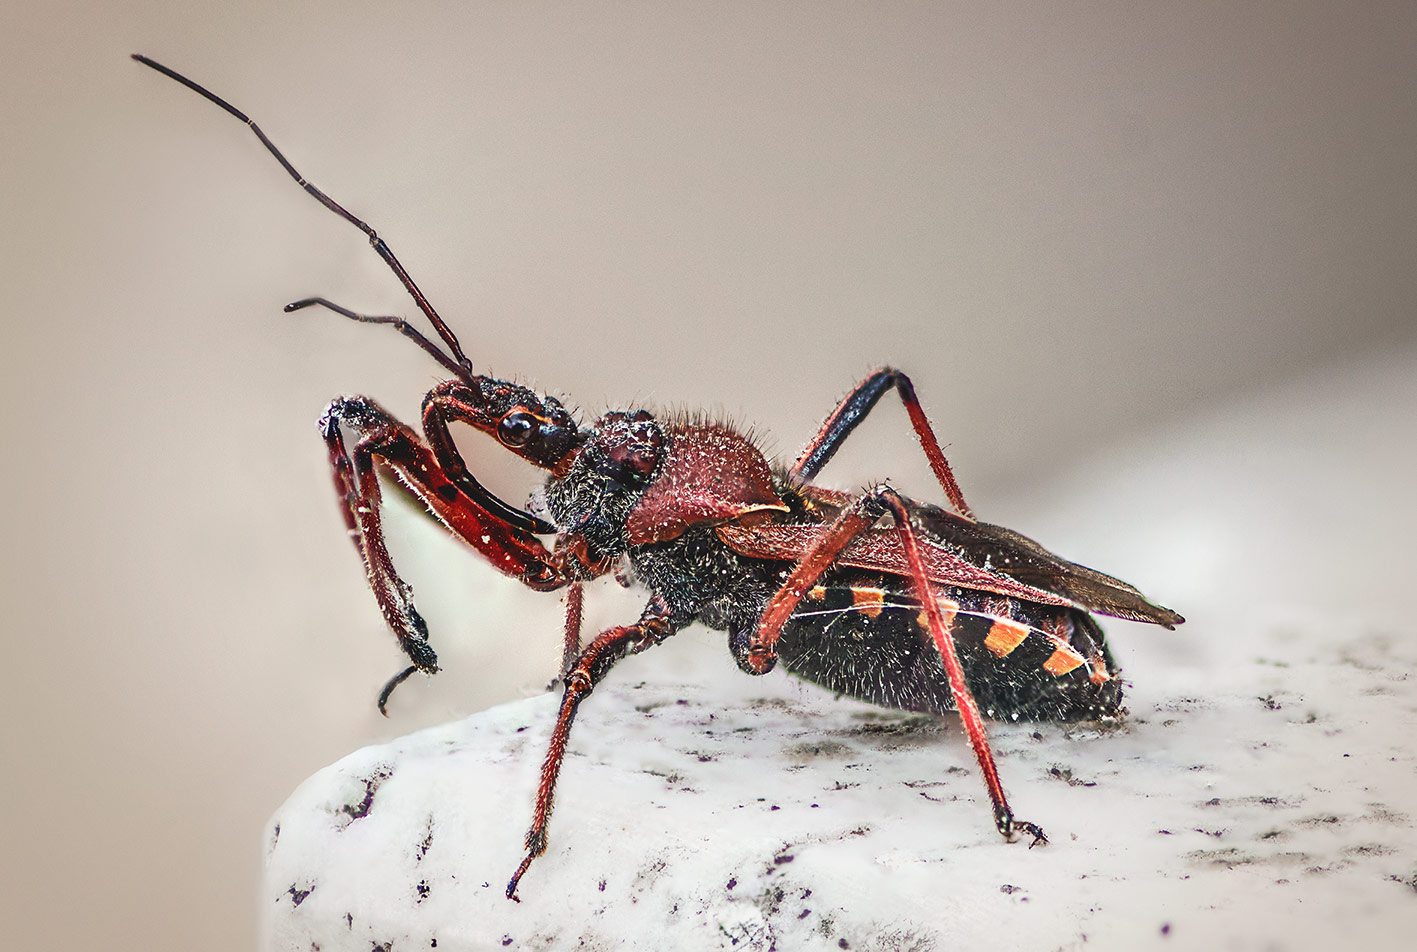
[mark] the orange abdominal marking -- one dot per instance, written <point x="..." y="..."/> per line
<point x="868" y="601"/>
<point x="1005" y="636"/>
<point x="1062" y="660"/>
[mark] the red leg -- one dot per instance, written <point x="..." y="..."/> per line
<point x="964" y="699"/>
<point x="855" y="519"/>
<point x="358" y="487"/>
<point x="455" y="401"/>
<point x="515" y="552"/>
<point x="512" y="550"/>
<point x="851" y="522"/>
<point x="854" y="408"/>
<point x="656" y="624"/>
<point x="571" y="647"/>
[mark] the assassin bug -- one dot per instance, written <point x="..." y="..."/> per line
<point x="874" y="595"/>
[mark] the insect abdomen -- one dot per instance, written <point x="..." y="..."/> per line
<point x="863" y="634"/>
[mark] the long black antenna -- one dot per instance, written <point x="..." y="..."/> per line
<point x="458" y="362"/>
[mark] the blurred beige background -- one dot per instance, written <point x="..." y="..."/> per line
<point x="1070" y="222"/>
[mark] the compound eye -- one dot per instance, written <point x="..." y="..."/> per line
<point x="517" y="428"/>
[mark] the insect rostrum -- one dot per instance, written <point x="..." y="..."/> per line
<point x="875" y="595"/>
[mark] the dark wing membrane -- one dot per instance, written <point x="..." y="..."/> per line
<point x="1019" y="557"/>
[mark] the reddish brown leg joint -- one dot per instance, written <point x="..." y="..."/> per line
<point x="854" y="408"/>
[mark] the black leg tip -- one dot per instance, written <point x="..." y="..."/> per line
<point x="1033" y="830"/>
<point x="392" y="683"/>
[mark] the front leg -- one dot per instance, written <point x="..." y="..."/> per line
<point x="657" y="623"/>
<point x="854" y="408"/>
<point x="512" y="550"/>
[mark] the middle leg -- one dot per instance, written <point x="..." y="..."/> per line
<point x="759" y="655"/>
<point x="657" y="623"/>
<point x="854" y="408"/>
